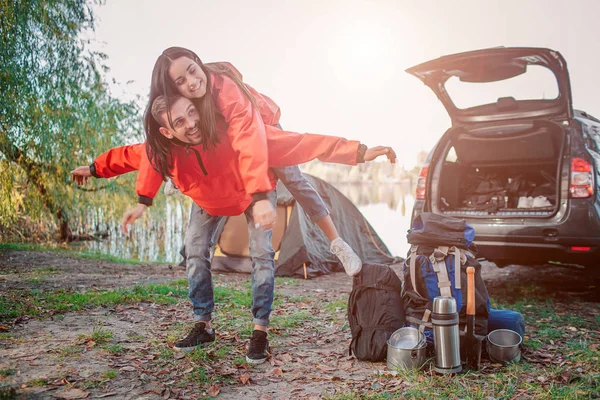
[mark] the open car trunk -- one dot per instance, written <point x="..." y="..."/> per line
<point x="501" y="171"/>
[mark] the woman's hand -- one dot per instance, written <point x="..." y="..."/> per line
<point x="131" y="215"/>
<point x="80" y="175"/>
<point x="264" y="215"/>
<point x="377" y="151"/>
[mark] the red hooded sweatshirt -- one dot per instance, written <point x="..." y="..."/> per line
<point x="224" y="179"/>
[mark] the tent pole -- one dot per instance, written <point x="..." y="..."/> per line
<point x="304" y="265"/>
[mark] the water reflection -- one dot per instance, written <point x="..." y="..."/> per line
<point x="387" y="207"/>
<point x="159" y="235"/>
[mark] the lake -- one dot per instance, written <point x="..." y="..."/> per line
<point x="159" y="236"/>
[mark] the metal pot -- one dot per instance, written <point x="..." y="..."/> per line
<point x="503" y="346"/>
<point x="406" y="348"/>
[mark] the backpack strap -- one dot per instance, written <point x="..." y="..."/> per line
<point x="412" y="264"/>
<point x="457" y="264"/>
<point x="421" y="323"/>
<point x="425" y="318"/>
<point x="437" y="259"/>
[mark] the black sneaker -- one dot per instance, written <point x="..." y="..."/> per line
<point x="258" y="351"/>
<point x="196" y="338"/>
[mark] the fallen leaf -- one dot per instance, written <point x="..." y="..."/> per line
<point x="326" y="368"/>
<point x="541" y="379"/>
<point x="213" y="391"/>
<point x="128" y="369"/>
<point x="31" y="358"/>
<point x="286" y="358"/>
<point x="245" y="378"/>
<point x="572" y="329"/>
<point x="72" y="393"/>
<point x="86" y="373"/>
<point x="276" y="363"/>
<point x="593" y="347"/>
<point x="101" y="396"/>
<point x="166" y="394"/>
<point x="345" y="365"/>
<point x="277" y="371"/>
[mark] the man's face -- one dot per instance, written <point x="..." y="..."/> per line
<point x="186" y="122"/>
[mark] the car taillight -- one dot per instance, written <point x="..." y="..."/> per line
<point x="422" y="182"/>
<point x="582" y="180"/>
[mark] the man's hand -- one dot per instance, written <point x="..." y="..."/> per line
<point x="131" y="215"/>
<point x="377" y="151"/>
<point x="264" y="215"/>
<point x="80" y="175"/>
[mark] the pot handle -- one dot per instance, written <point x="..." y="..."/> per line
<point x="413" y="354"/>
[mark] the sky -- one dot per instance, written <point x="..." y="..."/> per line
<point x="338" y="67"/>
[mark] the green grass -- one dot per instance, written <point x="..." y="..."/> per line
<point x="69" y="351"/>
<point x="198" y="376"/>
<point x="7" y="372"/>
<point x="35" y="302"/>
<point x="291" y="320"/>
<point x="114" y="349"/>
<point x="135" y="336"/>
<point x="232" y="296"/>
<point x="279" y="281"/>
<point x="110" y="374"/>
<point x="37" y="382"/>
<point x="210" y="353"/>
<point x="335" y="307"/>
<point x="99" y="335"/>
<point x="83" y="254"/>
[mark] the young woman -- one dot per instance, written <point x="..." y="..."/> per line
<point x="180" y="70"/>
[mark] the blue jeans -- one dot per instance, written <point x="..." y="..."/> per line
<point x="302" y="191"/>
<point x="199" y="240"/>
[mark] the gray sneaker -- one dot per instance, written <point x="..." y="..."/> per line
<point x="349" y="259"/>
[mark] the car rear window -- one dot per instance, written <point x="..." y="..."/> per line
<point x="537" y="83"/>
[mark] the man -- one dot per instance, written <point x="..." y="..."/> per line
<point x="212" y="178"/>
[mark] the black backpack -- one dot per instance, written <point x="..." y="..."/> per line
<point x="441" y="250"/>
<point x="375" y="311"/>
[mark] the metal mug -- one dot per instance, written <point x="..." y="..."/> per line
<point x="406" y="348"/>
<point x="503" y="346"/>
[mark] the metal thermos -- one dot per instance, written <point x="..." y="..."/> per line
<point x="446" y="338"/>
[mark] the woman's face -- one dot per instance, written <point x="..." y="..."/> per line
<point x="188" y="77"/>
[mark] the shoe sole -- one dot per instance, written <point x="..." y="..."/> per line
<point x="254" y="361"/>
<point x="186" y="349"/>
<point x="192" y="348"/>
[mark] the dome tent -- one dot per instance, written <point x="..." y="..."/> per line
<point x="302" y="249"/>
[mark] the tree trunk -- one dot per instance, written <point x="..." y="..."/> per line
<point x="34" y="172"/>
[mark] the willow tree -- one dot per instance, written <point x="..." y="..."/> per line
<point x="56" y="109"/>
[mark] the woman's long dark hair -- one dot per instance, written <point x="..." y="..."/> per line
<point x="158" y="147"/>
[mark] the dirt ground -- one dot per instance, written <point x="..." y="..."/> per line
<point x="307" y="362"/>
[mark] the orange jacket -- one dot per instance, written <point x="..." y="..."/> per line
<point x="224" y="179"/>
<point x="221" y="191"/>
